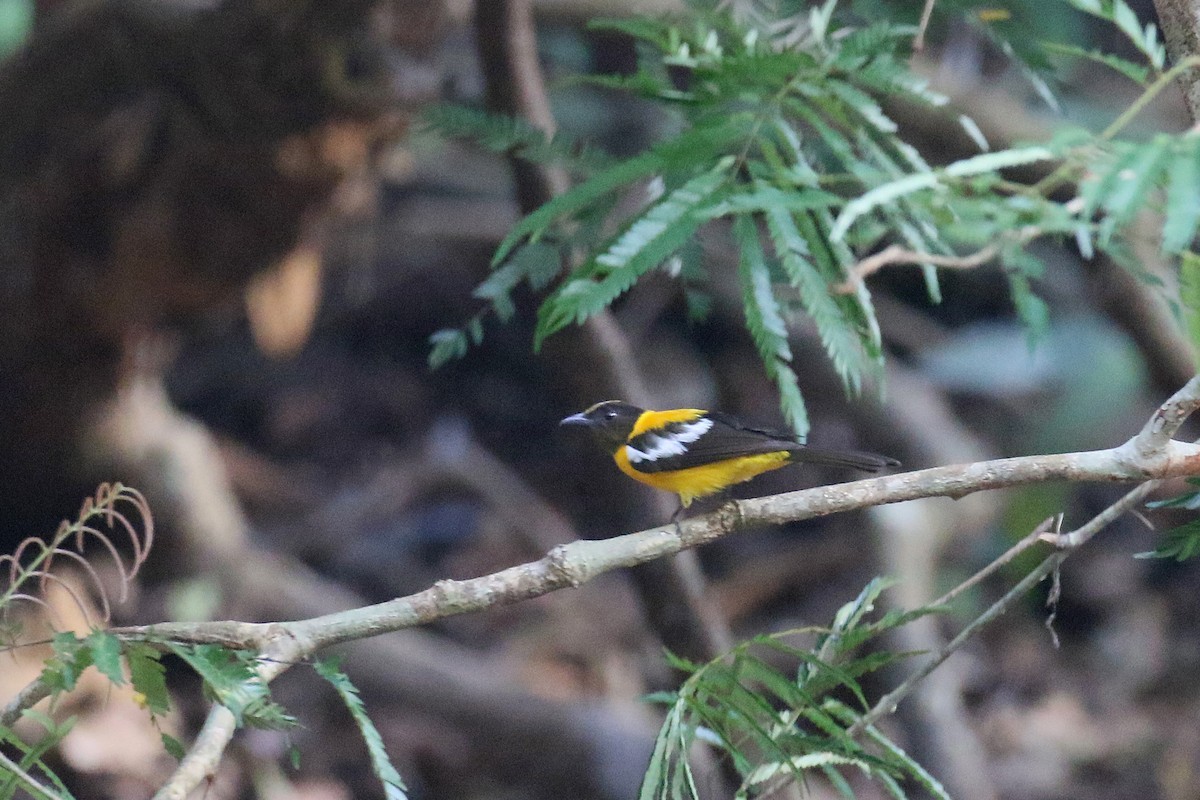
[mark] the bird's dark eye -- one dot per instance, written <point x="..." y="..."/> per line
<point x="610" y="415"/>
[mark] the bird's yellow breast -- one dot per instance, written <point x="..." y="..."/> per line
<point x="708" y="479"/>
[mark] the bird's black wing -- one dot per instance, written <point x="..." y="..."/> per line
<point x="855" y="459"/>
<point x="711" y="438"/>
<point x="681" y="445"/>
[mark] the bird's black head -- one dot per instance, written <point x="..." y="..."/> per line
<point x="610" y="422"/>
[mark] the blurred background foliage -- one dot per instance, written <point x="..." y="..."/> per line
<point x="369" y="476"/>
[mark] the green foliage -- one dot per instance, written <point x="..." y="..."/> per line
<point x="1142" y="37"/>
<point x="778" y="724"/>
<point x="1179" y="543"/>
<point x="30" y="760"/>
<point x="16" y="22"/>
<point x="512" y="137"/>
<point x="393" y="785"/>
<point x="71" y="657"/>
<point x="148" y="676"/>
<point x="1189" y="295"/>
<point x="641" y="246"/>
<point x="781" y="137"/>
<point x="106" y="655"/>
<point x="1182" y="542"/>
<point x="230" y="678"/>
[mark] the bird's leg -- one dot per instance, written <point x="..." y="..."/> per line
<point x="675" y="519"/>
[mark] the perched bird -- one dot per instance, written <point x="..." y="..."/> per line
<point x="695" y="453"/>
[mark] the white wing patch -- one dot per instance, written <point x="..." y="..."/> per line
<point x="665" y="445"/>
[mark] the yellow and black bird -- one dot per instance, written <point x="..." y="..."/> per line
<point x="695" y="453"/>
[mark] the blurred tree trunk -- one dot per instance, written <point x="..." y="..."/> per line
<point x="154" y="158"/>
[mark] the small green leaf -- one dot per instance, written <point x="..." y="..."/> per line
<point x="70" y="659"/>
<point x="448" y="344"/>
<point x="1126" y="20"/>
<point x="1189" y="296"/>
<point x="231" y="679"/>
<point x="880" y="195"/>
<point x="106" y="656"/>
<point x="763" y="315"/>
<point x="998" y="160"/>
<point x="761" y="196"/>
<point x="768" y="771"/>
<point x="173" y="746"/>
<point x="148" y="676"/>
<point x="1031" y="309"/>
<point x="842" y="342"/>
<point x="1188" y="500"/>
<point x="1135" y="176"/>
<point x="1183" y="189"/>
<point x="509" y="136"/>
<point x="864" y="105"/>
<point x="765" y="322"/>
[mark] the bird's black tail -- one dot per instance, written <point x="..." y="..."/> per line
<point x="868" y="462"/>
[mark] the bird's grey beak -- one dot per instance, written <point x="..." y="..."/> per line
<point x="576" y="419"/>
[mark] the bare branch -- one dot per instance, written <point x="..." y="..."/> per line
<point x="1149" y="455"/>
<point x="30" y="696"/>
<point x="1038" y="534"/>
<point x="1152" y="454"/>
<point x="887" y="704"/>
<point x="1180" y="22"/>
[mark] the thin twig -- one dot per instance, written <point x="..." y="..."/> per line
<point x="1034" y="536"/>
<point x="1079" y="536"/>
<point x="578" y="562"/>
<point x="887" y="704"/>
<point x="1150" y="454"/>
<point x="895" y="254"/>
<point x="28" y="780"/>
<point x="33" y="693"/>
<point x="923" y="25"/>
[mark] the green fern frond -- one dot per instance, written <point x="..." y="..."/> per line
<point x="1138" y="73"/>
<point x="30" y="760"/>
<point x="1183" y="189"/>
<point x="644" y="244"/>
<point x="841" y="341"/>
<point x="510" y="136"/>
<point x="393" y="784"/>
<point x="1144" y="38"/>
<point x="229" y="676"/>
<point x="575" y="200"/>
<point x="764" y="320"/>
<point x="779" y="724"/>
